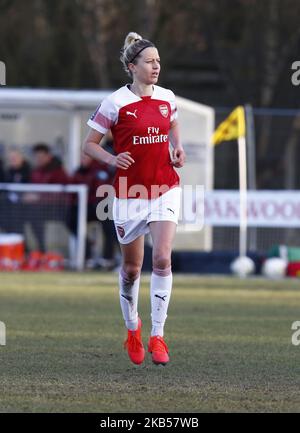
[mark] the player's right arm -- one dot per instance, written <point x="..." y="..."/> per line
<point x="92" y="148"/>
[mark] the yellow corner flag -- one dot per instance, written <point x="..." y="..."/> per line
<point x="232" y="127"/>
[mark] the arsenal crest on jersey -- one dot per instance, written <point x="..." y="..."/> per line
<point x="164" y="111"/>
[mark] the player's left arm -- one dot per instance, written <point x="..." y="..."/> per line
<point x="178" y="154"/>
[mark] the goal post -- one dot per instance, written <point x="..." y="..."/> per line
<point x="39" y="204"/>
<point x="196" y="122"/>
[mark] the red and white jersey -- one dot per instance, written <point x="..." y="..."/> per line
<point x="140" y="125"/>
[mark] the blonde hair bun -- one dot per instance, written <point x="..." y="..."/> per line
<point x="130" y="39"/>
<point x="134" y="44"/>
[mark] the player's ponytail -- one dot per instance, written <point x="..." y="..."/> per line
<point x="134" y="44"/>
<point x="130" y="39"/>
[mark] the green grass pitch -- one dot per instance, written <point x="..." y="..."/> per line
<point x="229" y="339"/>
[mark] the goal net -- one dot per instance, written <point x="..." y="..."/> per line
<point x="49" y="217"/>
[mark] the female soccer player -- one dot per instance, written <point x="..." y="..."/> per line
<point x="142" y="116"/>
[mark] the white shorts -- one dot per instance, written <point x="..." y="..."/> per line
<point x="132" y="216"/>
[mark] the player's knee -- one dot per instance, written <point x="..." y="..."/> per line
<point x="161" y="261"/>
<point x="132" y="270"/>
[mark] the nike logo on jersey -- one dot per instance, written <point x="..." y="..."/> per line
<point x="129" y="113"/>
<point x="170" y="210"/>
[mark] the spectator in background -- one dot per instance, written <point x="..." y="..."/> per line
<point x="48" y="169"/>
<point x="93" y="174"/>
<point x="18" y="171"/>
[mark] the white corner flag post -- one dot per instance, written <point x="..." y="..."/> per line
<point x="242" y="179"/>
<point x="232" y="128"/>
<point x="243" y="195"/>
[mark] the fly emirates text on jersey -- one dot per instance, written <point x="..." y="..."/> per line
<point x="153" y="137"/>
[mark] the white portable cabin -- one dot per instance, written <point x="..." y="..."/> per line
<point x="58" y="117"/>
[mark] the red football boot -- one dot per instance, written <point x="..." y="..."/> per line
<point x="134" y="345"/>
<point x="157" y="346"/>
